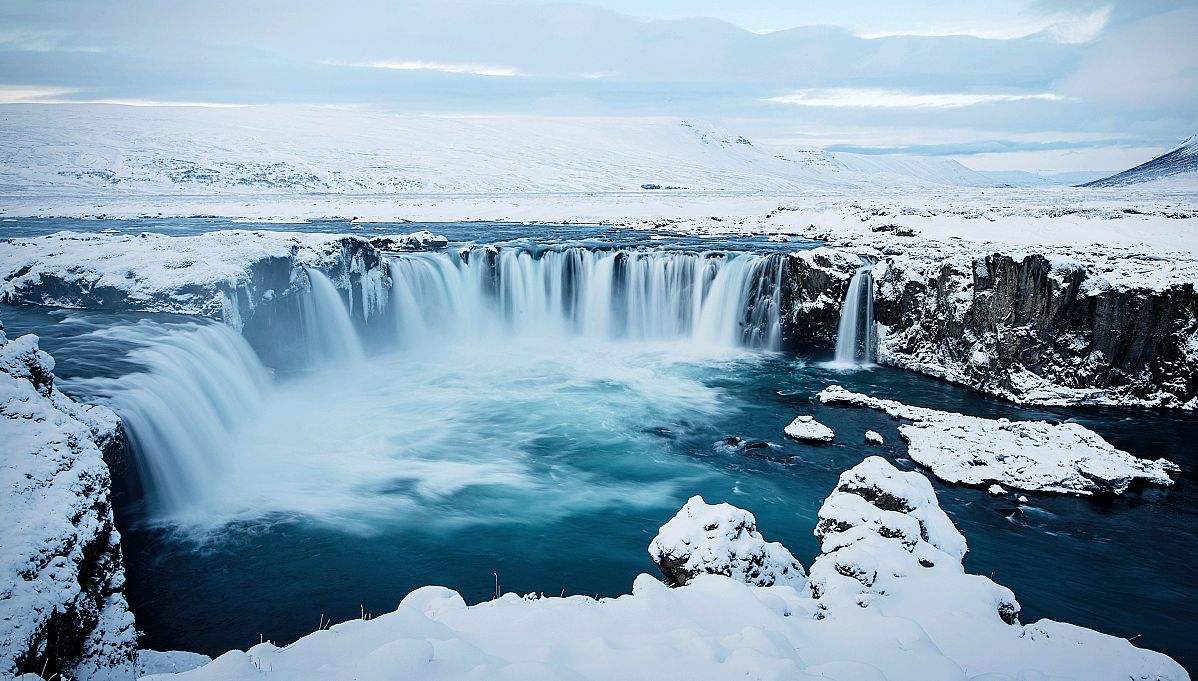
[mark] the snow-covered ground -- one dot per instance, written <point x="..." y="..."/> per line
<point x="107" y="150"/>
<point x="1026" y="455"/>
<point x="888" y="600"/>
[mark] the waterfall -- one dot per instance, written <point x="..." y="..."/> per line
<point x="329" y="332"/>
<point x="855" y="342"/>
<point x="724" y="299"/>
<point x="199" y="383"/>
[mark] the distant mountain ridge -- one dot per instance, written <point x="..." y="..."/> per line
<point x="1181" y="162"/>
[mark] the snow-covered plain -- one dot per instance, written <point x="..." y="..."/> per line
<point x="1027" y="455"/>
<point x="889" y="600"/>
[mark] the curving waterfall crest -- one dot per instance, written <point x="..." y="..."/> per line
<point x="723" y="299"/>
<point x="188" y="411"/>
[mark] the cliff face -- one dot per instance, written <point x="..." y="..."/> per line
<point x="62" y="610"/>
<point x="1015" y="325"/>
<point x="814" y="289"/>
<point x="225" y="275"/>
<point x="1031" y="330"/>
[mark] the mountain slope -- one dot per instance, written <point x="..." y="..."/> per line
<point x="1181" y="164"/>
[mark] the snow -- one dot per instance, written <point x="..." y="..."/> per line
<point x="60" y="564"/>
<point x="874" y="438"/>
<point x="154" y="272"/>
<point x="996" y="490"/>
<point x="721" y="539"/>
<point x="1026" y="455"/>
<point x="806" y="428"/>
<point x="889" y="604"/>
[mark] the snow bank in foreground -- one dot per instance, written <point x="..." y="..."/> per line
<point x="61" y="605"/>
<point x="1027" y="455"/>
<point x="721" y="539"/>
<point x="889" y="600"/>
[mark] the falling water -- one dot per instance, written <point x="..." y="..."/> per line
<point x="855" y="341"/>
<point x="720" y="299"/>
<point x="328" y="331"/>
<point x="198" y="385"/>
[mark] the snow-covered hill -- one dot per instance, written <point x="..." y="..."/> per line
<point x="270" y="149"/>
<point x="118" y="150"/>
<point x="1177" y="167"/>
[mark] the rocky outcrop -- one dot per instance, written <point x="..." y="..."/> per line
<point x="1035" y="330"/>
<point x="1029" y="327"/>
<point x="815" y="286"/>
<point x="720" y="539"/>
<point x="62" y="610"/>
<point x="229" y="275"/>
<point x="423" y="240"/>
<point x="883" y="537"/>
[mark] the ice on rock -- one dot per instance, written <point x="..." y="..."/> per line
<point x="873" y="438"/>
<point x="807" y="429"/>
<point x="1025" y="455"/>
<point x="721" y="539"/>
<point x="996" y="490"/>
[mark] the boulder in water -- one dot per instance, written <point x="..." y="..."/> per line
<point x="807" y="429"/>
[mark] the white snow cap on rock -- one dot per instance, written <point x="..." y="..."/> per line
<point x="1025" y="455"/>
<point x="873" y="437"/>
<point x="721" y="539"/>
<point x="806" y="428"/>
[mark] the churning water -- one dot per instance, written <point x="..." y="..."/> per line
<point x="534" y="415"/>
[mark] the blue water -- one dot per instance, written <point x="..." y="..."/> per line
<point x="549" y="466"/>
<point x="514" y="233"/>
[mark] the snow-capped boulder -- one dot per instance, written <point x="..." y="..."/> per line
<point x="1025" y="455"/>
<point x="807" y="429"/>
<point x="874" y="438"/>
<point x="423" y="240"/>
<point x="62" y="608"/>
<point x="720" y="539"/>
<point x="883" y="533"/>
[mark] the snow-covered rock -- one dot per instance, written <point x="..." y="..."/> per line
<point x="873" y="437"/>
<point x="720" y="539"/>
<point x="423" y="240"/>
<point x="1045" y="326"/>
<point x="807" y="429"/>
<point x="224" y="275"/>
<point x="62" y="608"/>
<point x="893" y="603"/>
<point x="1025" y="455"/>
<point x="996" y="490"/>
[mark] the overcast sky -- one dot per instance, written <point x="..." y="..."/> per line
<point x="1020" y="84"/>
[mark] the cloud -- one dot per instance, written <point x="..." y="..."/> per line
<point x="420" y="65"/>
<point x="1150" y="63"/>
<point x="892" y="99"/>
<point x="23" y="94"/>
